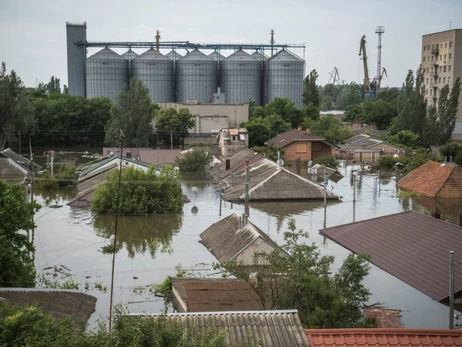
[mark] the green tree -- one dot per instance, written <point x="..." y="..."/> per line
<point x="310" y="93"/>
<point x="379" y="112"/>
<point x="270" y="151"/>
<point x="16" y="215"/>
<point x="286" y="109"/>
<point x="54" y="86"/>
<point x="173" y="124"/>
<point x="310" y="111"/>
<point x="452" y="149"/>
<point x="302" y="279"/>
<point x="262" y="129"/>
<point x="404" y="138"/>
<point x="16" y="111"/>
<point x="194" y="161"/>
<point x="349" y="94"/>
<point x="329" y="128"/>
<point x="133" y="114"/>
<point x="141" y="192"/>
<point x="252" y="107"/>
<point x="390" y="95"/>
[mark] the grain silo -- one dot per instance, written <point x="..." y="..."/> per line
<point x="196" y="77"/>
<point x="284" y="77"/>
<point x="216" y="56"/>
<point x="241" y="78"/>
<point x="106" y="74"/>
<point x="155" y="70"/>
<point x="130" y="55"/>
<point x="174" y="55"/>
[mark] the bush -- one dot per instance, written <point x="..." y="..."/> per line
<point x="141" y="192"/>
<point x="66" y="176"/>
<point x="328" y="160"/>
<point x="451" y="149"/>
<point x="387" y="161"/>
<point x="270" y="151"/>
<point x="194" y="161"/>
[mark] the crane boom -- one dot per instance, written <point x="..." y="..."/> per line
<point x="362" y="49"/>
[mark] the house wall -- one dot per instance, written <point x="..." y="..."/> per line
<point x="387" y="148"/>
<point x="247" y="256"/>
<point x="452" y="189"/>
<point x="369" y="157"/>
<point x="312" y="150"/>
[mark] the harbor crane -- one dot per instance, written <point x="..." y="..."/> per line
<point x="334" y="76"/>
<point x="369" y="87"/>
<point x="384" y="72"/>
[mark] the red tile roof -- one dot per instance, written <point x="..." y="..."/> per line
<point x="383" y="338"/>
<point x="285" y="139"/>
<point x="427" y="179"/>
<point x="410" y="246"/>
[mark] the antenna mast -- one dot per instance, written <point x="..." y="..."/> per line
<point x="157" y="40"/>
<point x="379" y="31"/>
<point x="272" y="41"/>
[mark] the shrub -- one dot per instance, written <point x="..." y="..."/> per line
<point x="194" y="161"/>
<point x="66" y="176"/>
<point x="270" y="151"/>
<point x="451" y="149"/>
<point x="328" y="160"/>
<point x="387" y="161"/>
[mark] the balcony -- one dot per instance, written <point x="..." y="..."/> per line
<point x="433" y="84"/>
<point x="435" y="50"/>
<point x="435" y="62"/>
<point x="434" y="73"/>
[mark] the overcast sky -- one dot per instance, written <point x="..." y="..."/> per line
<point x="33" y="32"/>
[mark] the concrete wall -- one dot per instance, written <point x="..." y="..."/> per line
<point x="247" y="256"/>
<point x="207" y="124"/>
<point x="387" y="148"/>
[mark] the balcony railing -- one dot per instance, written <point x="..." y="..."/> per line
<point x="434" y="73"/>
<point x="435" y="50"/>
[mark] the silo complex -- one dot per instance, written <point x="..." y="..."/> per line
<point x="284" y="77"/>
<point x="241" y="78"/>
<point x="155" y="70"/>
<point x="196" y="77"/>
<point x="107" y="73"/>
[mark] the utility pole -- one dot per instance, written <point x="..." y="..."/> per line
<point x="247" y="177"/>
<point x="379" y="31"/>
<point x="115" y="228"/>
<point x="451" y="289"/>
<point x="171" y="139"/>
<point x="325" y="198"/>
<point x="354" y="196"/>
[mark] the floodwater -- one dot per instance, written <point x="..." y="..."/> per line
<point x="149" y="247"/>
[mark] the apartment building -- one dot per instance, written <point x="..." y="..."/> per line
<point x="442" y="64"/>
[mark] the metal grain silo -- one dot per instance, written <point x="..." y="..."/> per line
<point x="216" y="56"/>
<point x="284" y="77"/>
<point x="107" y="73"/>
<point x="155" y="70"/>
<point x="174" y="55"/>
<point x="130" y="55"/>
<point x="196" y="77"/>
<point x="241" y="78"/>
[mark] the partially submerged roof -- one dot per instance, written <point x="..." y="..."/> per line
<point x="108" y="160"/>
<point x="58" y="303"/>
<point x="383" y="337"/>
<point x="215" y="294"/>
<point x="247" y="328"/>
<point x="239" y="166"/>
<point x="364" y="142"/>
<point x="430" y="178"/>
<point x="225" y="239"/>
<point x="23" y="162"/>
<point x="410" y="246"/>
<point x="269" y="181"/>
<point x="159" y="156"/>
<point x="294" y="135"/>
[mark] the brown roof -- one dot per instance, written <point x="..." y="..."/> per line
<point x="58" y="303"/>
<point x="215" y="294"/>
<point x="239" y="166"/>
<point x="428" y="179"/>
<point x="384" y="318"/>
<point x="269" y="181"/>
<point x="226" y="240"/>
<point x="383" y="337"/>
<point x="159" y="156"/>
<point x="285" y="139"/>
<point x="410" y="246"/>
<point x="247" y="328"/>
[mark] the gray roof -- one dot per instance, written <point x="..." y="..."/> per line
<point x="174" y="55"/>
<point x="216" y="56"/>
<point x="152" y="54"/>
<point x="240" y="55"/>
<point x="284" y="55"/>
<point x="259" y="56"/>
<point x="130" y="54"/>
<point x="196" y="55"/>
<point x="19" y="159"/>
<point x="58" y="303"/>
<point x="250" y="328"/>
<point x="268" y="181"/>
<point x="225" y="240"/>
<point x="106" y="53"/>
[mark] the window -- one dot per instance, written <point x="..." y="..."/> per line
<point x="441" y="45"/>
<point x="441" y="68"/>
<point x="444" y="79"/>
<point x="432" y="69"/>
<point x="450" y="56"/>
<point x="433" y="46"/>
<point x="425" y="48"/>
<point x="439" y="80"/>
<point x="427" y="80"/>
<point x="441" y="57"/>
<point x="445" y="45"/>
<point x="449" y="80"/>
<point x="432" y="57"/>
<point x="444" y="68"/>
<point x="426" y="91"/>
<point x="427" y="69"/>
<point x="445" y="57"/>
<point x="450" y="44"/>
<point x="301" y="147"/>
<point x="424" y="59"/>
<point x="449" y="68"/>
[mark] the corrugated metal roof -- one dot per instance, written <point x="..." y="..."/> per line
<point x="106" y="53"/>
<point x="216" y="56"/>
<point x="152" y="54"/>
<point x="285" y="139"/>
<point x="429" y="178"/>
<point x="196" y="55"/>
<point x="19" y="159"/>
<point x="410" y="246"/>
<point x="284" y="55"/>
<point x="174" y="55"/>
<point x="225" y="240"/>
<point x="249" y="328"/>
<point x="216" y="294"/>
<point x="130" y="54"/>
<point x="240" y="55"/>
<point x="384" y="337"/>
<point x="268" y="181"/>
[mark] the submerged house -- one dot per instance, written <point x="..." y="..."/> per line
<point x="269" y="181"/>
<point x="303" y="145"/>
<point x="14" y="165"/>
<point x="146" y="155"/>
<point x="235" y="239"/>
<point x="366" y="148"/>
<point x="435" y="180"/>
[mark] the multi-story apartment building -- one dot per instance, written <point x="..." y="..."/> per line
<point x="442" y="64"/>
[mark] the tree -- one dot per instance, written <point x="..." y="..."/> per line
<point x="141" y="192"/>
<point x="194" y="161"/>
<point x="262" y="129"/>
<point x="390" y="95"/>
<point x="349" y="94"/>
<point x="286" y="109"/>
<point x="54" y="86"/>
<point x="404" y="138"/>
<point x="16" y="215"/>
<point x="302" y="279"/>
<point x="133" y="114"/>
<point x="173" y="124"/>
<point x="310" y="93"/>
<point x="329" y="128"/>
<point x="379" y="112"/>
<point x="16" y="112"/>
<point x="454" y="150"/>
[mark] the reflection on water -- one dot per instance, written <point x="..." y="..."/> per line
<point x="140" y="233"/>
<point x="55" y="196"/>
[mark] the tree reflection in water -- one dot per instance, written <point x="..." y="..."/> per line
<point x="140" y="233"/>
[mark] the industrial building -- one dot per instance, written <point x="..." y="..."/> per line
<point x="442" y="64"/>
<point x="252" y="71"/>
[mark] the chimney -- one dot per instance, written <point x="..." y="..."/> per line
<point x="299" y="128"/>
<point x="227" y="164"/>
<point x="436" y="212"/>
<point x="308" y="131"/>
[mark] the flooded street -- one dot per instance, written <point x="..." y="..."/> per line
<point x="150" y="247"/>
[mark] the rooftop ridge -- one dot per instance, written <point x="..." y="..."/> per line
<point x="221" y="313"/>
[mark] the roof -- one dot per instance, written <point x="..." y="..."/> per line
<point x="269" y="181"/>
<point x="159" y="156"/>
<point x="410" y="246"/>
<point x="285" y="139"/>
<point x="250" y="328"/>
<point x="383" y="337"/>
<point x="225" y="239"/>
<point x="429" y="178"/>
<point x="97" y="165"/>
<point x="152" y="54"/>
<point x="385" y="318"/>
<point x="215" y="294"/>
<point x="19" y="159"/>
<point x="237" y="159"/>
<point x="58" y="303"/>
<point x="363" y="141"/>
<point x="106" y="53"/>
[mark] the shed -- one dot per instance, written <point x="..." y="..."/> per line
<point x="245" y="328"/>
<point x="410" y="246"/>
<point x="214" y="295"/>
<point x="229" y="240"/>
<point x="434" y="180"/>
